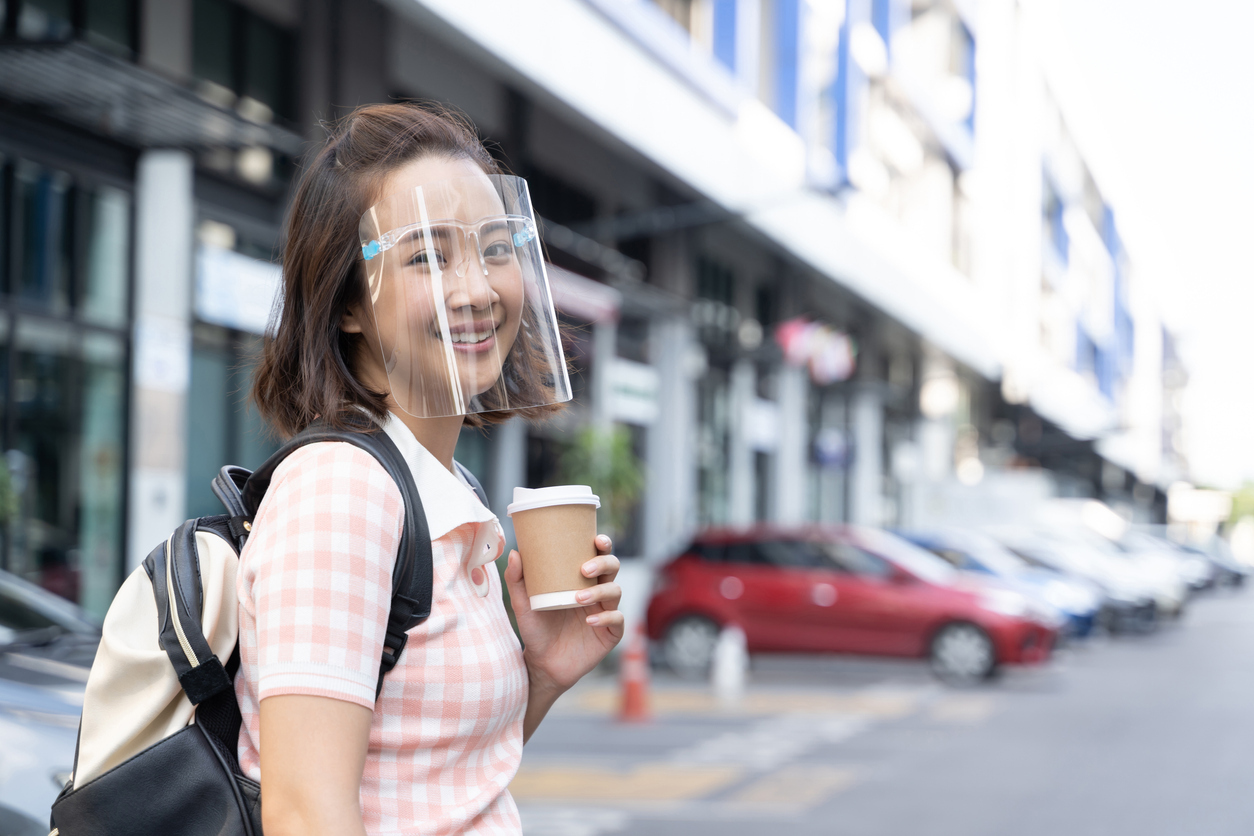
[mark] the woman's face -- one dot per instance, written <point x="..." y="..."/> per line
<point x="447" y="297"/>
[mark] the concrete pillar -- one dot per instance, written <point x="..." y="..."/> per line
<point x="162" y="349"/>
<point x="792" y="485"/>
<point x="671" y="490"/>
<point x="866" y="484"/>
<point x="833" y="440"/>
<point x="509" y="469"/>
<point x="604" y="350"/>
<point x="740" y="475"/>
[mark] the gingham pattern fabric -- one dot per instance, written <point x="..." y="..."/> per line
<point x="314" y="591"/>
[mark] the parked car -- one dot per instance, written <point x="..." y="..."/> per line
<point x="1229" y="571"/>
<point x="846" y="589"/>
<point x="1130" y="604"/>
<point x="47" y="645"/>
<point x="1079" y="601"/>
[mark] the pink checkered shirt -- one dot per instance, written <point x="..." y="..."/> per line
<point x="314" y="589"/>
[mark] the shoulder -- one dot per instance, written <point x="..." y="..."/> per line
<point x="333" y="478"/>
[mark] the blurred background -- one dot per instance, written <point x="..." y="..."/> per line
<point x="964" y="270"/>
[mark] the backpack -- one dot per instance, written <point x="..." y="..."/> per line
<point x="157" y="743"/>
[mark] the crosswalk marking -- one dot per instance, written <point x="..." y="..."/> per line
<point x="886" y="704"/>
<point x="648" y="782"/>
<point x="799" y="785"/>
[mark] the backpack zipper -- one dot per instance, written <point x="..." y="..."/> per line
<point x="174" y="610"/>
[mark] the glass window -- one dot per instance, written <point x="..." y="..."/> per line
<point x="45" y="20"/>
<point x="746" y="553"/>
<point x="790" y="553"/>
<point x="101" y="469"/>
<point x="243" y="54"/>
<point x="912" y="558"/>
<point x="206" y="428"/>
<point x="710" y="553"/>
<point x="63" y="384"/>
<point x="267" y="63"/>
<point x="43" y="241"/>
<point x="213" y="42"/>
<point x="855" y="561"/>
<point x="66" y="462"/>
<point x="110" y="24"/>
<point x="223" y="427"/>
<point x="102" y="293"/>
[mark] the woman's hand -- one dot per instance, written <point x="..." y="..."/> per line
<point x="560" y="646"/>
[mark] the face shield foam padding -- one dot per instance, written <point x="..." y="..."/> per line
<point x="462" y="308"/>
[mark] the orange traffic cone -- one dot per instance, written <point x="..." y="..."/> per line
<point x="633" y="677"/>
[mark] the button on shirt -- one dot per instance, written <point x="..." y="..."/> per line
<point x="314" y="590"/>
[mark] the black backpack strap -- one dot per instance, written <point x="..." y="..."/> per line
<point x="412" y="574"/>
<point x="474" y="483"/>
<point x="174" y="569"/>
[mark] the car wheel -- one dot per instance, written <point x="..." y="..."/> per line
<point x="963" y="653"/>
<point x="688" y="645"/>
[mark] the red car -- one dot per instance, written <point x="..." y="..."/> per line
<point x="846" y="589"/>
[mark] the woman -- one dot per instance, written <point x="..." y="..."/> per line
<point x="413" y="292"/>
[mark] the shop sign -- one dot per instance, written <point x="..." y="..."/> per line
<point x="830" y="355"/>
<point x="633" y="392"/>
<point x="234" y="290"/>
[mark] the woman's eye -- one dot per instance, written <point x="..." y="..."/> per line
<point x="498" y="251"/>
<point x="425" y="258"/>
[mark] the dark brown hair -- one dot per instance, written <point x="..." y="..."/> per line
<point x="306" y="365"/>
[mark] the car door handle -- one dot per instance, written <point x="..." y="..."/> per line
<point x="823" y="594"/>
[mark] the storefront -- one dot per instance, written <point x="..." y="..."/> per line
<point x="65" y="257"/>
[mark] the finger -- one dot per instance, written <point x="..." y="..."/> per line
<point x="604" y="567"/>
<point x="611" y="620"/>
<point x="514" y="582"/>
<point x="608" y="595"/>
<point x="604" y="544"/>
<point x="513" y="567"/>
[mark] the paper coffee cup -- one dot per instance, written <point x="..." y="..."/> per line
<point x="556" y="529"/>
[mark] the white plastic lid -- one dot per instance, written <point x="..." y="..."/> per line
<point x="526" y="499"/>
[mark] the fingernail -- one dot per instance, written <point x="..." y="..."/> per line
<point x="589" y="567"/>
<point x="594" y="620"/>
<point x="586" y="595"/>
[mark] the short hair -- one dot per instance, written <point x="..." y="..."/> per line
<point x="305" y="371"/>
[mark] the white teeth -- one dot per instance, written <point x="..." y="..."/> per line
<point x="470" y="336"/>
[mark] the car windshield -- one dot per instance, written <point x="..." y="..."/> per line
<point x="25" y="608"/>
<point x="914" y="559"/>
<point x="998" y="559"/>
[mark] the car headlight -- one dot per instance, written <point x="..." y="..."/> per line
<point x="1005" y="602"/>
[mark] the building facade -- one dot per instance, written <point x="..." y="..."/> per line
<point x="821" y="260"/>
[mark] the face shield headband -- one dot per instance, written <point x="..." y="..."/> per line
<point x="460" y="298"/>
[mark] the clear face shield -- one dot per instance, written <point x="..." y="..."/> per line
<point x="461" y="300"/>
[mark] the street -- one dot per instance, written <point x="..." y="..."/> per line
<point x="1132" y="735"/>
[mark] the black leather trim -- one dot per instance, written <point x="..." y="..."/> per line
<point x="205" y="680"/>
<point x="182" y="785"/>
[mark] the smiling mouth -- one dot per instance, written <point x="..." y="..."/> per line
<point x="470" y="337"/>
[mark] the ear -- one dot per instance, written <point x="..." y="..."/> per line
<point x="351" y="322"/>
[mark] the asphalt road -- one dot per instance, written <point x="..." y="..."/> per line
<point x="1142" y="735"/>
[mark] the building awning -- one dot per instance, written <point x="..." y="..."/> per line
<point x="79" y="84"/>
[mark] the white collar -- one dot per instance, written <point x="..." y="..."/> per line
<point x="447" y="499"/>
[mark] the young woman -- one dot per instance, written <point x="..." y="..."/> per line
<point x="414" y="293"/>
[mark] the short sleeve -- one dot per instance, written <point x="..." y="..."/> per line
<point x="317" y="573"/>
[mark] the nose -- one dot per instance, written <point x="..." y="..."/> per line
<point x="472" y="252"/>
<point x="471" y="288"/>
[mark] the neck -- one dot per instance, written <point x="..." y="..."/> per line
<point x="438" y="435"/>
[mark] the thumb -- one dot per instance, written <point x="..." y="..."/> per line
<point x="514" y="581"/>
